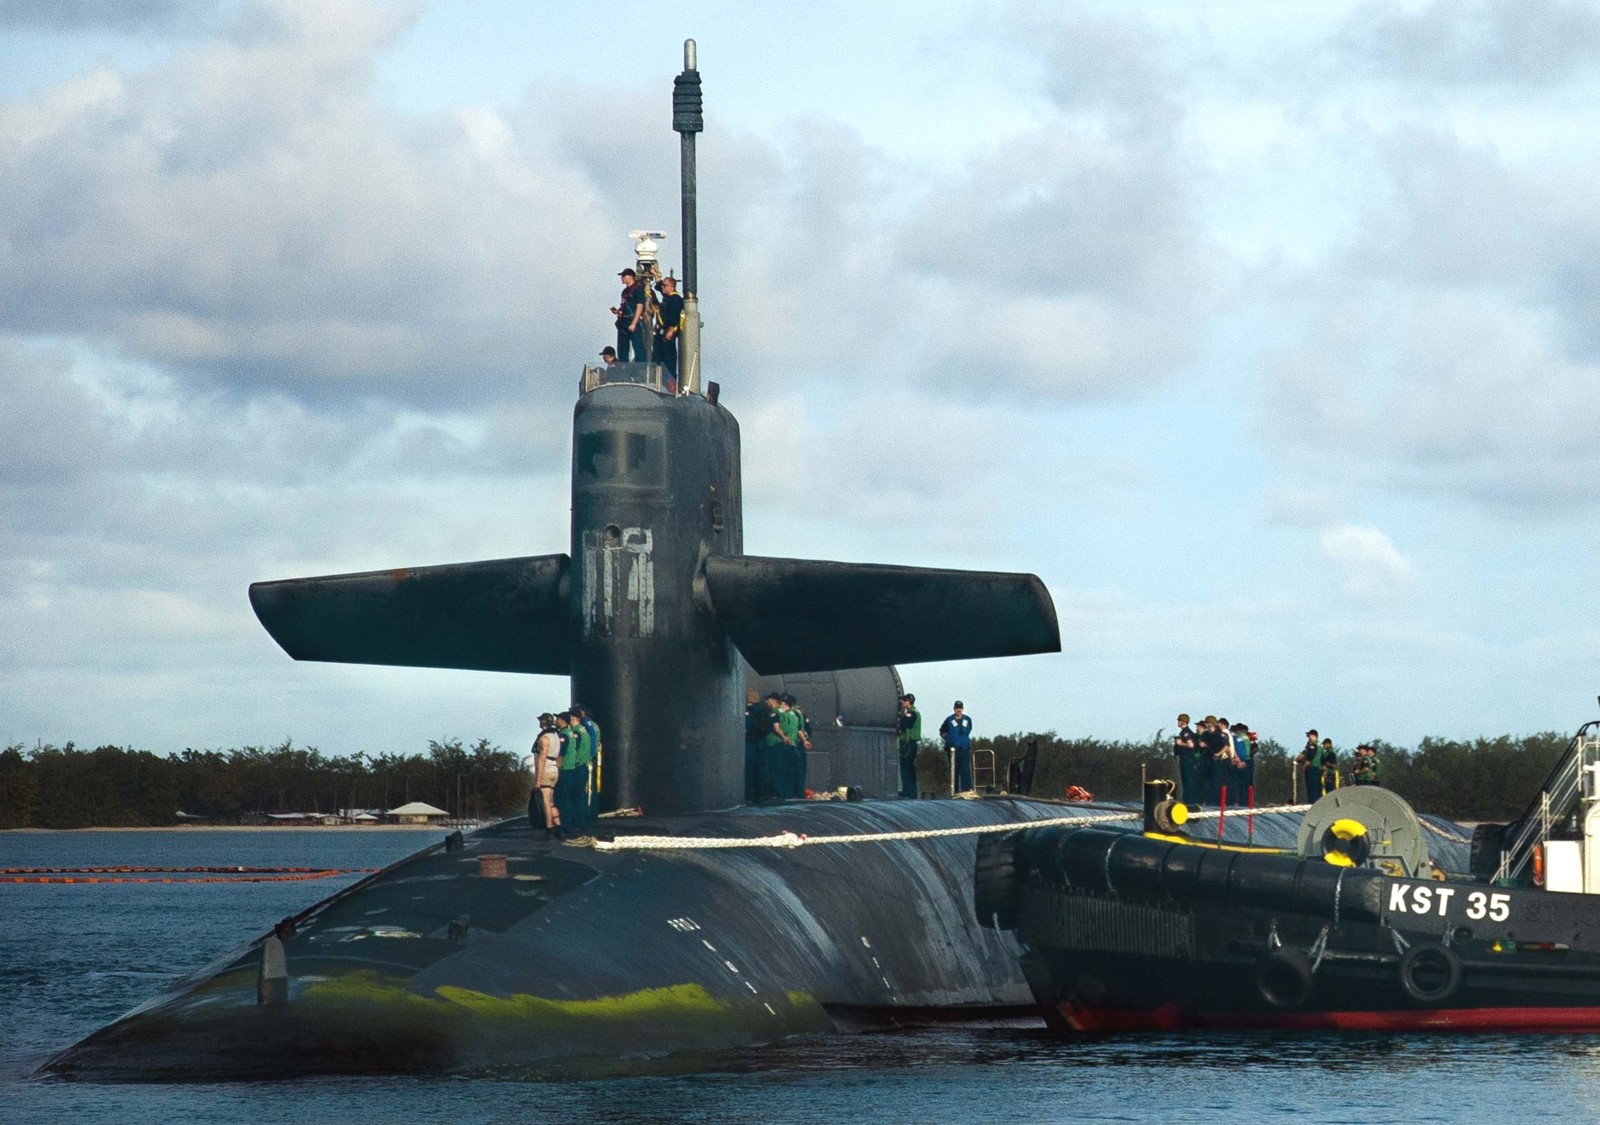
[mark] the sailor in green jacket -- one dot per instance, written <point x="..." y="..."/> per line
<point x="802" y="746"/>
<point x="567" y="780"/>
<point x="774" y="752"/>
<point x="789" y="727"/>
<point x="1364" y="766"/>
<point x="907" y="742"/>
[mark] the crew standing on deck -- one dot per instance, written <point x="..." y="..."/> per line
<point x="755" y="726"/>
<point x="1241" y="766"/>
<point x="789" y="729"/>
<point x="582" y="763"/>
<point x="1330" y="766"/>
<point x="1364" y="766"/>
<point x="591" y="808"/>
<point x="774" y="752"/>
<point x="956" y="731"/>
<point x="544" y="765"/>
<point x="566" y="767"/>
<point x="908" y="739"/>
<point x="1214" y="747"/>
<point x="629" y="311"/>
<point x="1184" y="748"/>
<point x="1310" y="763"/>
<point x="802" y="745"/>
<point x="669" y="322"/>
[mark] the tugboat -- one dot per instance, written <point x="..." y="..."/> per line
<point x="1378" y="919"/>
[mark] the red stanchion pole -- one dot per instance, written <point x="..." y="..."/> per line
<point x="1250" y="821"/>
<point x="1222" y="810"/>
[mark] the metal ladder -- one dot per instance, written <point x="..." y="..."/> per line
<point x="1573" y="780"/>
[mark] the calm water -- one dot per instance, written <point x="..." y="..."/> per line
<point x="74" y="957"/>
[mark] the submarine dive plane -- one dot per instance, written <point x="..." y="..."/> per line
<point x="501" y="949"/>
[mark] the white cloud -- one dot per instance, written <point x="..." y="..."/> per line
<point x="1368" y="565"/>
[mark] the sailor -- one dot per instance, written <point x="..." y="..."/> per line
<point x="1183" y="748"/>
<point x="1221" y="760"/>
<point x="793" y="755"/>
<point x="544" y="764"/>
<point x="774" y="751"/>
<point x="1310" y="763"/>
<point x="669" y="322"/>
<point x="1364" y="766"/>
<point x="567" y="766"/>
<point x="1213" y="744"/>
<point x="1329" y="761"/>
<point x="592" y="729"/>
<point x="755" y="725"/>
<point x="956" y="732"/>
<point x="907" y="740"/>
<point x="802" y="746"/>
<point x="629" y="311"/>
<point x="609" y="355"/>
<point x="1242" y="774"/>
<point x="582" y="767"/>
<point x="1202" y="765"/>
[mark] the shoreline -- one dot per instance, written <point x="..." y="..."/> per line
<point x="252" y="828"/>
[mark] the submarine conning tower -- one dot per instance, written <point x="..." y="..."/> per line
<point x="655" y="493"/>
<point x="656" y="608"/>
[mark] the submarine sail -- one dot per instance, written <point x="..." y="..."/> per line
<point x="503" y="949"/>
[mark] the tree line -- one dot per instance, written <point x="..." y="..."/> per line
<point x="113" y="786"/>
<point x="116" y="787"/>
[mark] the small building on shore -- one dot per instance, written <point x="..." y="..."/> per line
<point x="417" y="812"/>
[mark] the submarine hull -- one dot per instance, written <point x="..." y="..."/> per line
<point x="1130" y="933"/>
<point x="586" y="961"/>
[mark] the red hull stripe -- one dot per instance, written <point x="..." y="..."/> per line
<point x="1173" y="1018"/>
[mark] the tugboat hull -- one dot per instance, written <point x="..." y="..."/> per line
<point x="1125" y="932"/>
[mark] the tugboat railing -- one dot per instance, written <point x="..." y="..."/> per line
<point x="1558" y="799"/>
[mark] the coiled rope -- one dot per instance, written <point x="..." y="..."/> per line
<point x="797" y="840"/>
<point x="123" y="874"/>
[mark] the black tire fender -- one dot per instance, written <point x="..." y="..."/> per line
<point x="994" y="883"/>
<point x="1284" y="977"/>
<point x="1430" y="973"/>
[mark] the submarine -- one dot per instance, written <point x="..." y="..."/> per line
<point x="703" y="924"/>
<point x="1375" y="919"/>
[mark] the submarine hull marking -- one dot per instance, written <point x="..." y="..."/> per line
<point x="619" y="594"/>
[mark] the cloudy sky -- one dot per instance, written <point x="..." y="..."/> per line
<point x="1267" y="333"/>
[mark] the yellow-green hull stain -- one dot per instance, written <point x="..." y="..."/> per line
<point x="676" y="1002"/>
<point x="681" y="1007"/>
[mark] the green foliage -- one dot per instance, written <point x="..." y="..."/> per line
<point x="112" y="786"/>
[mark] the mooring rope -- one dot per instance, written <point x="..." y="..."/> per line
<point x="1453" y="837"/>
<point x="128" y="874"/>
<point x="797" y="840"/>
